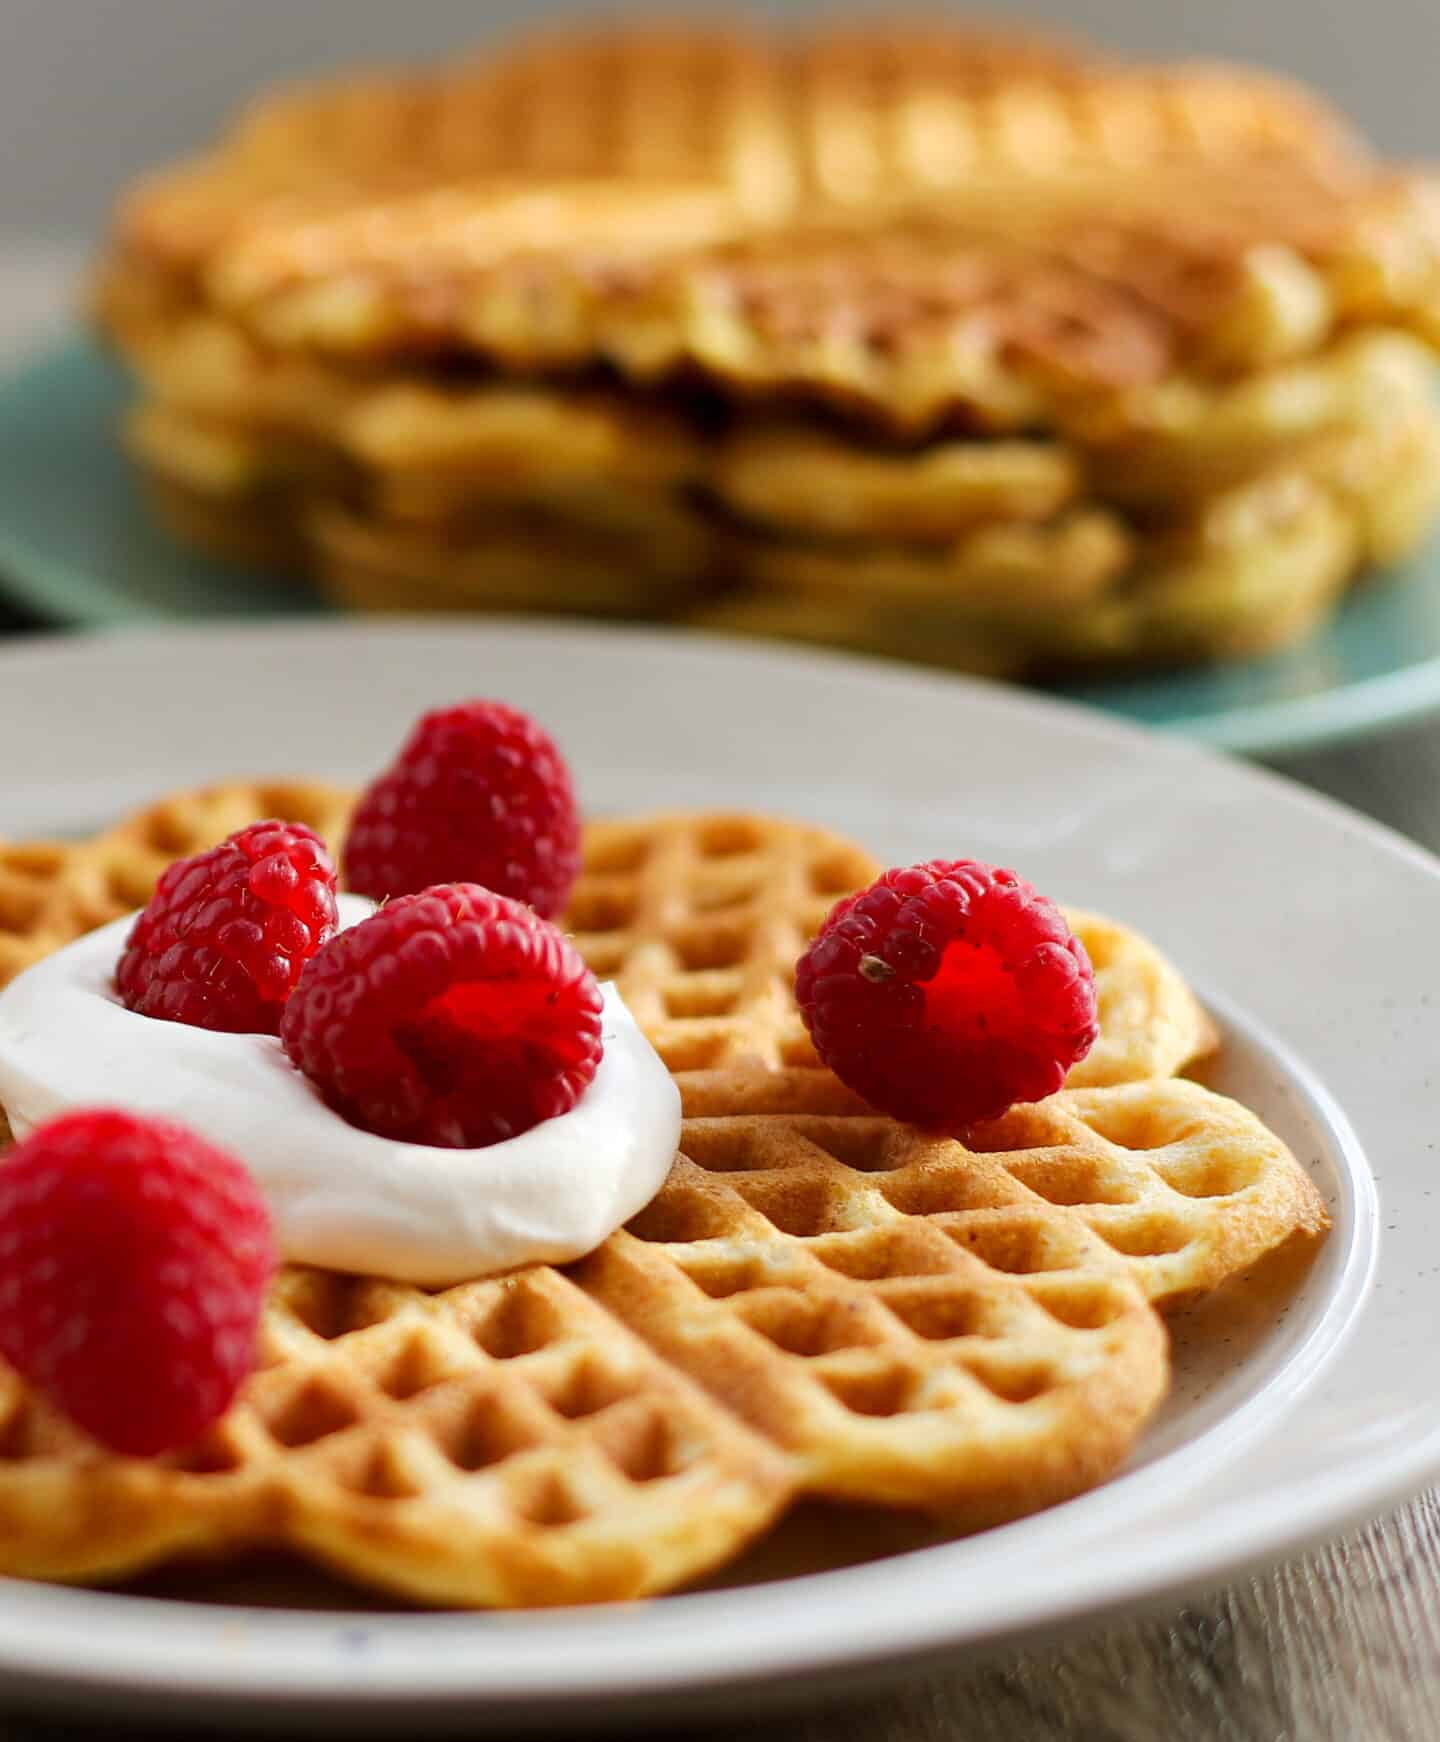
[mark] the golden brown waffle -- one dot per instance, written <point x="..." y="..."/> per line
<point x="1182" y="439"/>
<point x="905" y="1375"/>
<point x="843" y="113"/>
<point x="1204" y="606"/>
<point x="707" y="973"/>
<point x="873" y="1313"/>
<point x="1015" y="304"/>
<point x="714" y="107"/>
<point x="1251" y="570"/>
<point x="52" y="892"/>
<point x="504" y="1443"/>
<point x="799" y="333"/>
<point x="1246" y="569"/>
<point x="699" y="920"/>
<point x="523" y="562"/>
<point x="1009" y="574"/>
<point x="1072" y="322"/>
<point x="632" y="195"/>
<point x="1197" y="439"/>
<point x="814" y="482"/>
<point x="820" y="1226"/>
<point x="1185" y="599"/>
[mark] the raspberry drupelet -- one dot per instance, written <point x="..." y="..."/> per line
<point x="222" y="941"/>
<point x="946" y="992"/>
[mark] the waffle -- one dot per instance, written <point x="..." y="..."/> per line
<point x="1180" y="440"/>
<point x="909" y="335"/>
<point x="1193" y="607"/>
<point x="1253" y="570"/>
<point x="533" y="562"/>
<point x="224" y="414"/>
<point x="1013" y="305"/>
<point x="846" y="114"/>
<point x="499" y="1444"/>
<point x="1248" y="568"/>
<point x="819" y="1300"/>
<point x="1200" y="439"/>
<point x="861" y="1200"/>
<point x="729" y="1011"/>
<point x="652" y="197"/>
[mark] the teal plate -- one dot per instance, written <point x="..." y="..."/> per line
<point x="78" y="545"/>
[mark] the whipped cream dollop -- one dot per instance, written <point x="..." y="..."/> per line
<point x="340" y="1197"/>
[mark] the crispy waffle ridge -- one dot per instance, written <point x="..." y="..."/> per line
<point x="819" y="1300"/>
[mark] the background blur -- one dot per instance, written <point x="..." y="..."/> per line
<point x="91" y="90"/>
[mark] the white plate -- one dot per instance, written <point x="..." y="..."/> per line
<point x="1312" y="933"/>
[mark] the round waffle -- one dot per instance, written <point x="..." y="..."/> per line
<point x="819" y="1300"/>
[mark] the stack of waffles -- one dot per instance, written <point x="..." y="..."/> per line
<point x="820" y="1302"/>
<point x="970" y="346"/>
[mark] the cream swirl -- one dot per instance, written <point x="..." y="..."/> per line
<point x="343" y="1198"/>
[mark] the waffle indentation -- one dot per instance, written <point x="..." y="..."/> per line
<point x="883" y="1391"/>
<point x="314" y="1412"/>
<point x="805" y="1326"/>
<point x="700" y="946"/>
<point x="545" y="1499"/>
<point x="517" y="1322"/>
<point x="486" y="1432"/>
<point x="646" y="1447"/>
<point x="698" y="995"/>
<point x="586" y="1389"/>
<point x="595" y="908"/>
<point x="418" y="1364"/>
<point x="1014" y="1247"/>
<point x="727" y="837"/>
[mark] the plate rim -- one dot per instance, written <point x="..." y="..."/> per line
<point x="1320" y="1503"/>
<point x="83" y="603"/>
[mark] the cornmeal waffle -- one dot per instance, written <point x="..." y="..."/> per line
<point x="1253" y="570"/>
<point x="1012" y="302"/>
<point x="503" y="1443"/>
<point x="818" y="1300"/>
<point x="212" y="389"/>
<point x="817" y="333"/>
<point x="1242" y="570"/>
<point x="844" y="114"/>
<point x="735" y="1007"/>
<point x="859" y="1200"/>
<point x="432" y="493"/>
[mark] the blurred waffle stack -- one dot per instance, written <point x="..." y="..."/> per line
<point x="972" y="347"/>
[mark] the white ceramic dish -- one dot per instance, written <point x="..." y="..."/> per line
<point x="1311" y="933"/>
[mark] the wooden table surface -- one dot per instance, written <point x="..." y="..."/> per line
<point x="1344" y="1643"/>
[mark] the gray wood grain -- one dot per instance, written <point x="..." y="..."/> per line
<point x="1343" y="1643"/>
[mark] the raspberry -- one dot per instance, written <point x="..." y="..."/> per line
<point x="454" y="1017"/>
<point x="224" y="937"/>
<point x="134" y="1258"/>
<point x="946" y="992"/>
<point x="479" y="794"/>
